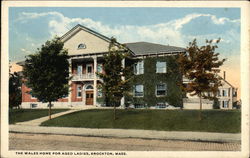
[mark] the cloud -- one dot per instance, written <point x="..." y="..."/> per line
<point x="179" y="23"/>
<point x="169" y="32"/>
<point x="25" y="51"/>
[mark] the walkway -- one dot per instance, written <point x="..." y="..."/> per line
<point x="37" y="122"/>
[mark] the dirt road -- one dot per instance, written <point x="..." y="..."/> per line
<point x="20" y="141"/>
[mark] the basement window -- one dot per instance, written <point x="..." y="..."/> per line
<point x="33" y="105"/>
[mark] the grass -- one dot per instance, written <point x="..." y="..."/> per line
<point x="21" y="115"/>
<point x="226" y="121"/>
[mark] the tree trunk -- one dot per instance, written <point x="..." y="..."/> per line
<point x="200" y="108"/>
<point x="49" y="110"/>
<point x="114" y="111"/>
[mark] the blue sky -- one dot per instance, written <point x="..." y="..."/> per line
<point x="31" y="26"/>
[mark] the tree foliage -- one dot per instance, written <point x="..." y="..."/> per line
<point x="116" y="76"/>
<point x="15" y="95"/>
<point x="200" y="65"/>
<point x="47" y="72"/>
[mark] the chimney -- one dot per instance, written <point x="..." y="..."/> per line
<point x="224" y="75"/>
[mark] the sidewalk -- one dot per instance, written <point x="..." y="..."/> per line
<point x="125" y="133"/>
<point x="33" y="127"/>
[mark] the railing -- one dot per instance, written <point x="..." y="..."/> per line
<point x="79" y="77"/>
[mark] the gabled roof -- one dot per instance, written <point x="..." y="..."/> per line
<point x="226" y="82"/>
<point x="146" y="48"/>
<point x="79" y="27"/>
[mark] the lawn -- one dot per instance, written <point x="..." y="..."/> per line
<point x="21" y="115"/>
<point x="228" y="121"/>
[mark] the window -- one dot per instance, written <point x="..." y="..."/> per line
<point x="79" y="91"/>
<point x="79" y="70"/>
<point x="161" y="67"/>
<point x="99" y="92"/>
<point x="218" y="93"/>
<point x="139" y="68"/>
<point x="224" y="92"/>
<point x="89" y="87"/>
<point x="139" y="106"/>
<point x="99" y="68"/>
<point x="32" y="96"/>
<point x="161" y="105"/>
<point x="225" y="104"/>
<point x="33" y="105"/>
<point x="160" y="89"/>
<point x="89" y="68"/>
<point x="138" y="91"/>
<point x="81" y="46"/>
<point x="65" y="96"/>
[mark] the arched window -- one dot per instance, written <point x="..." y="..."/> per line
<point x="81" y="46"/>
<point x="89" y="87"/>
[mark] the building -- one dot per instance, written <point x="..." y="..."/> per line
<point x="227" y="98"/>
<point x="155" y="68"/>
<point x="156" y="80"/>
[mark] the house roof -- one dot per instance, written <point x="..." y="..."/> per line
<point x="226" y="82"/>
<point x="79" y="27"/>
<point x="146" y="48"/>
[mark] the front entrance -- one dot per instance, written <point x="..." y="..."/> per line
<point x="89" y="97"/>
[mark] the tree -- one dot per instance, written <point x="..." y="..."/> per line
<point x="15" y="95"/>
<point x="200" y="66"/>
<point x="117" y="77"/>
<point x="47" y="72"/>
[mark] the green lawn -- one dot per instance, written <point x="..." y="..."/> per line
<point x="21" y="115"/>
<point x="228" y="121"/>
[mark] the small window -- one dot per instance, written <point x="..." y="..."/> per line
<point x="218" y="93"/>
<point x="65" y="96"/>
<point x="224" y="92"/>
<point x="99" y="92"/>
<point x="161" y="67"/>
<point x="89" y="87"/>
<point x="139" y="68"/>
<point x="160" y="89"/>
<point x="79" y="91"/>
<point x="99" y="68"/>
<point x="161" y="105"/>
<point x="89" y="68"/>
<point x="33" y="105"/>
<point x="138" y="91"/>
<point x="51" y="105"/>
<point x="225" y="104"/>
<point x="81" y="46"/>
<point x="139" y="106"/>
<point x="79" y="70"/>
<point x="32" y="96"/>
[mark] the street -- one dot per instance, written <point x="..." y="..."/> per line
<point x="22" y="141"/>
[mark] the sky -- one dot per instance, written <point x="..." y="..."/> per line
<point x="30" y="27"/>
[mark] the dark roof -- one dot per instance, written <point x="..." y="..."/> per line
<point x="21" y="63"/>
<point x="146" y="48"/>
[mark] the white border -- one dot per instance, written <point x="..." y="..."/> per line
<point x="244" y="5"/>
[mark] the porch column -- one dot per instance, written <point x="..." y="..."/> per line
<point x="70" y="89"/>
<point x="123" y="99"/>
<point x="95" y="80"/>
